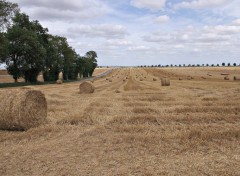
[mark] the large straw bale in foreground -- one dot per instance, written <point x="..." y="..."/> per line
<point x="21" y="109"/>
<point x="165" y="82"/>
<point x="86" y="87"/>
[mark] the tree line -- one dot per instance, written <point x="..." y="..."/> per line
<point x="27" y="49"/>
<point x="193" y="65"/>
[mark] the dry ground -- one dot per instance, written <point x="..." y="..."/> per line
<point x="189" y="128"/>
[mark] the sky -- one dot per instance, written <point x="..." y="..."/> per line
<point x="144" y="32"/>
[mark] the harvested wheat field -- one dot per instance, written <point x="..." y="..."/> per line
<point x="191" y="127"/>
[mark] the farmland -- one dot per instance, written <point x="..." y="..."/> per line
<point x="134" y="126"/>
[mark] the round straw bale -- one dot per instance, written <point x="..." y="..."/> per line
<point x="117" y="91"/>
<point x="154" y="79"/>
<point x="165" y="82"/>
<point x="225" y="74"/>
<point x="107" y="79"/>
<point x="124" y="80"/>
<point x="22" y="109"/>
<point x="86" y="87"/>
<point x="236" y="78"/>
<point x="59" y="81"/>
<point x="60" y="75"/>
<point x="180" y="78"/>
<point x="226" y="78"/>
<point x="110" y="80"/>
<point x="141" y="79"/>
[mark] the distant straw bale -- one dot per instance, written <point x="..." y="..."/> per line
<point x="236" y="78"/>
<point x="117" y="91"/>
<point x="165" y="82"/>
<point x="60" y="76"/>
<point x="154" y="79"/>
<point x="22" y="109"/>
<point x="86" y="87"/>
<point x="225" y="74"/>
<point x="180" y="79"/>
<point x="141" y="79"/>
<point x="110" y="80"/>
<point x="59" y="81"/>
<point x="226" y="78"/>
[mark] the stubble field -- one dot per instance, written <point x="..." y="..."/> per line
<point x="134" y="126"/>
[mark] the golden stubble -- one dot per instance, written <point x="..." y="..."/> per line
<point x="191" y="127"/>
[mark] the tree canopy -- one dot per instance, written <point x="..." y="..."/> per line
<point x="28" y="50"/>
<point x="7" y="11"/>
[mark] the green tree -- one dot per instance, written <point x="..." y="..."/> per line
<point x="80" y="65"/>
<point x="69" y="61"/>
<point x="91" y="61"/>
<point x="26" y="53"/>
<point x="7" y="11"/>
<point x="53" y="63"/>
<point x="87" y="64"/>
<point x="3" y="47"/>
<point x="92" y="55"/>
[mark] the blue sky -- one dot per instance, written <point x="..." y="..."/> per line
<point x="139" y="32"/>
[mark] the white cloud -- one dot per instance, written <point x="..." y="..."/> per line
<point x="206" y="38"/>
<point x="114" y="29"/>
<point x="197" y="50"/>
<point x="45" y="14"/>
<point x="138" y="48"/>
<point x="149" y="4"/>
<point x="200" y="4"/>
<point x="236" y="22"/>
<point x="222" y="29"/>
<point x="162" y="19"/>
<point x="64" y="9"/>
<point x="119" y="42"/>
<point x="73" y="5"/>
<point x="178" y="46"/>
<point x="98" y="31"/>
